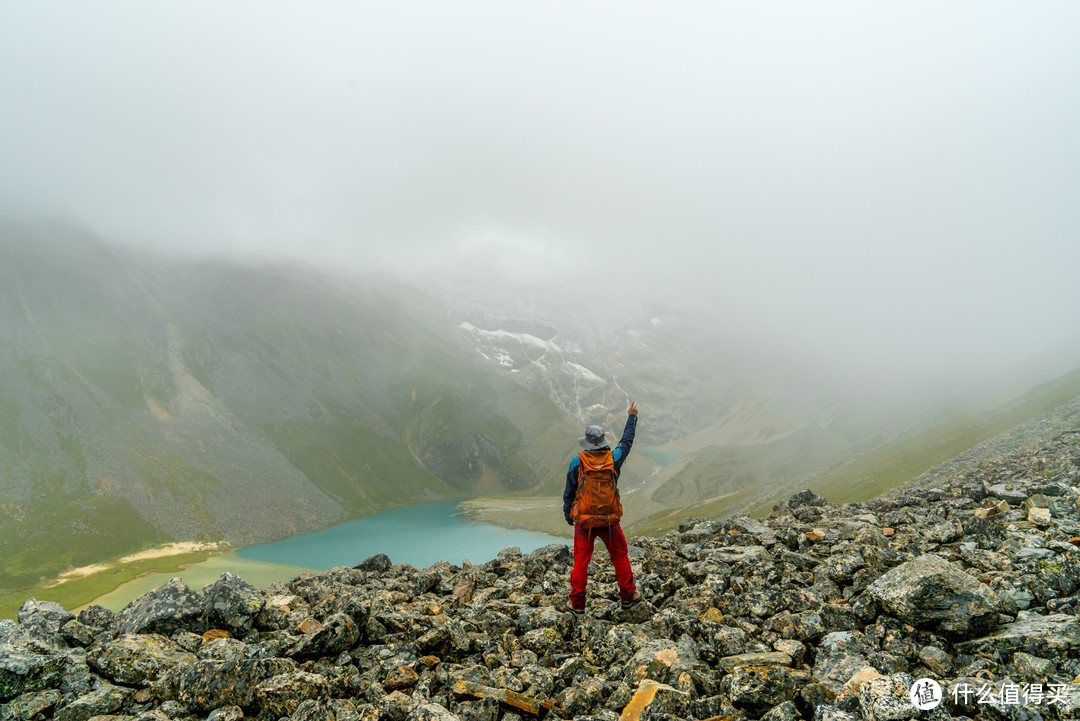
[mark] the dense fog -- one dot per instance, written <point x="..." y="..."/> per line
<point x="891" y="187"/>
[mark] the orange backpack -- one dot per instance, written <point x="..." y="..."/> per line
<point x="597" y="502"/>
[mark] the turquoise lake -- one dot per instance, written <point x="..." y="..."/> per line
<point x="417" y="535"/>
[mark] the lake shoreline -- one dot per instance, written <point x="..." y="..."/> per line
<point x="420" y="535"/>
<point x="503" y="520"/>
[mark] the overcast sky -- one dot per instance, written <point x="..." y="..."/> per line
<point x="895" y="176"/>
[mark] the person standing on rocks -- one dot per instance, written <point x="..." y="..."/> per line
<point x="591" y="505"/>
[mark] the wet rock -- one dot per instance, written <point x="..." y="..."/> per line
<point x="223" y="649"/>
<point x="930" y="592"/>
<point x="798" y="626"/>
<point x="377" y="563"/>
<point x="205" y="685"/>
<point x="164" y="610"/>
<point x="1032" y="668"/>
<point x="30" y="706"/>
<point x="97" y="617"/>
<point x="936" y="660"/>
<point x="1053" y="636"/>
<point x="838" y="669"/>
<point x="754" y="659"/>
<point x="103" y="701"/>
<point x="431" y="712"/>
<point x="786" y="711"/>
<point x="23" y="672"/>
<point x="281" y="695"/>
<point x="759" y="688"/>
<point x="1007" y="493"/>
<point x="804" y="498"/>
<point x="137" y="659"/>
<point x="47" y="614"/>
<point x="887" y="699"/>
<point x="232" y="604"/>
<point x="313" y="710"/>
<point x="337" y="634"/>
<point x="78" y="634"/>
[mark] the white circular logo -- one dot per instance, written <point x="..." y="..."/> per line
<point x="925" y="694"/>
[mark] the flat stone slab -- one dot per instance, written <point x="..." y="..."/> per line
<point x="755" y="659"/>
<point x="1054" y="636"/>
<point x="1012" y="495"/>
<point x="736" y="554"/>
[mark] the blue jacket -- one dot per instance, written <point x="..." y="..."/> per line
<point x="618" y="455"/>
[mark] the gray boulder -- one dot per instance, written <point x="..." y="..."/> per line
<point x="232" y="604"/>
<point x="203" y="686"/>
<point x="97" y="617"/>
<point x="22" y="672"/>
<point x="48" y="614"/>
<point x="929" y="592"/>
<point x="1053" y="636"/>
<point x="337" y="634"/>
<point x="378" y="563"/>
<point x="165" y="609"/>
<point x="30" y="706"/>
<point x="886" y="698"/>
<point x="282" y="695"/>
<point x="137" y="659"/>
<point x="102" y="701"/>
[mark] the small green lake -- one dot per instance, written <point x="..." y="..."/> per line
<point x="417" y="535"/>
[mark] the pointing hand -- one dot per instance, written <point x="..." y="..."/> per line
<point x="633" y="409"/>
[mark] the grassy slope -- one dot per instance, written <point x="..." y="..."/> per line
<point x="717" y="471"/>
<point x="890" y="465"/>
<point x="896" y="463"/>
<point x="81" y="591"/>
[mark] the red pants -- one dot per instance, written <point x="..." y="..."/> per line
<point x="615" y="541"/>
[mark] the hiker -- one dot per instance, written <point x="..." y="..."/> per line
<point x="591" y="505"/>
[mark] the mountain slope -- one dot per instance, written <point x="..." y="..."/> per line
<point x="144" y="402"/>
<point x="717" y="470"/>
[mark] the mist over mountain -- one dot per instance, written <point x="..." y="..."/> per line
<point x="146" y="402"/>
<point x="145" y="398"/>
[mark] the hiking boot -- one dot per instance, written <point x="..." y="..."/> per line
<point x="627" y="605"/>
<point x="578" y="613"/>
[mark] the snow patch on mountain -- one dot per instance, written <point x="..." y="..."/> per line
<point x="523" y="338"/>
<point x="584" y="372"/>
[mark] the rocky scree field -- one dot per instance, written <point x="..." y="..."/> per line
<point x="815" y="612"/>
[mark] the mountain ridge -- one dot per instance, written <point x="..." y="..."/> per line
<point x="164" y="395"/>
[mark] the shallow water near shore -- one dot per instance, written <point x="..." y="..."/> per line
<point x="417" y="535"/>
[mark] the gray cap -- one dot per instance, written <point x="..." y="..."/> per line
<point x="593" y="439"/>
